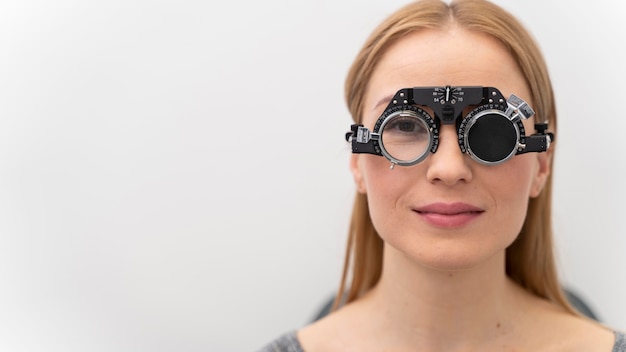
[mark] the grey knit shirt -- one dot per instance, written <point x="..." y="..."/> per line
<point x="289" y="343"/>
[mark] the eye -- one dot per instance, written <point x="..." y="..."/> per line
<point x="406" y="125"/>
<point x="405" y="136"/>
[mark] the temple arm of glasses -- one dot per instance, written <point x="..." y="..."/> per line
<point x="363" y="141"/>
<point x="537" y="143"/>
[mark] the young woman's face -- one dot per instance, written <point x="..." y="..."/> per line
<point x="448" y="212"/>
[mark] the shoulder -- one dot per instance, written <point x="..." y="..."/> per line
<point x="287" y="342"/>
<point x="566" y="332"/>
<point x="346" y="329"/>
<point x="554" y="328"/>
<point x="590" y="336"/>
<point x="620" y="342"/>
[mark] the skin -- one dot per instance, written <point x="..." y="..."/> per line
<point x="444" y="287"/>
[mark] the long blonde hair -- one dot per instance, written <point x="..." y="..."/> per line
<point x="530" y="259"/>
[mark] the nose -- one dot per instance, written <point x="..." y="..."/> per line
<point x="448" y="165"/>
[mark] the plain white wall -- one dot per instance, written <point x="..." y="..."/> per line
<point x="173" y="175"/>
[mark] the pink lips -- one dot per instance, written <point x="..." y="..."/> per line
<point x="449" y="214"/>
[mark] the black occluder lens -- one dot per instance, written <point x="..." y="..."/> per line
<point x="492" y="138"/>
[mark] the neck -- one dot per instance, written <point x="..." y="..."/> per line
<point x="446" y="309"/>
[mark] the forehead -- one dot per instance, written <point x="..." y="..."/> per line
<point x="453" y="56"/>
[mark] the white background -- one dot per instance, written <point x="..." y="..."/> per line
<point x="173" y="175"/>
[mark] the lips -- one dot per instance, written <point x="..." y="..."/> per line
<point x="449" y="214"/>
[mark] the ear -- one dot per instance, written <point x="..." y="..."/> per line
<point x="357" y="174"/>
<point x="544" y="161"/>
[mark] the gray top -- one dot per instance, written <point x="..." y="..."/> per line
<point x="289" y="343"/>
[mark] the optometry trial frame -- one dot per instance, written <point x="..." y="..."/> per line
<point x="491" y="133"/>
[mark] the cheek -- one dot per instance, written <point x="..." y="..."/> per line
<point x="378" y="179"/>
<point x="384" y="187"/>
<point x="522" y="173"/>
<point x="511" y="186"/>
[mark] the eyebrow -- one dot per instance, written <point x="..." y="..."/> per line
<point x="384" y="100"/>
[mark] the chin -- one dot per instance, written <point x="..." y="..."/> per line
<point x="452" y="264"/>
<point x="453" y="258"/>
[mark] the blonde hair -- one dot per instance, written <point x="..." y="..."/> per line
<point x="530" y="259"/>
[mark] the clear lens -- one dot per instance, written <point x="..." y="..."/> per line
<point x="405" y="137"/>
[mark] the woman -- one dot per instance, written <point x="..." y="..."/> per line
<point x="450" y="246"/>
